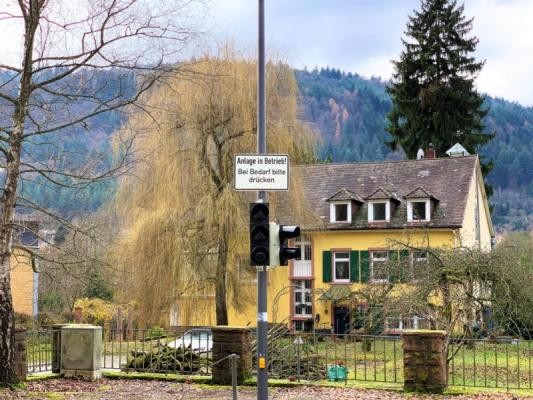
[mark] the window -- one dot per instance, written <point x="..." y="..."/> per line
<point x="419" y="259"/>
<point x="378" y="266"/>
<point x="418" y="210"/>
<point x="341" y="266"/>
<point x="379" y="211"/>
<point x="303" y="301"/>
<point x="399" y="323"/>
<point x="341" y="212"/>
<point x="305" y="245"/>
<point x="303" y="325"/>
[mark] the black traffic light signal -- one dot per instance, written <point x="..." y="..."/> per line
<point x="280" y="252"/>
<point x="259" y="234"/>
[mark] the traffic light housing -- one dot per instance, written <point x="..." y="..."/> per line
<point x="280" y="252"/>
<point x="259" y="234"/>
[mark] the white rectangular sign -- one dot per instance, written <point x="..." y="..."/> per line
<point x="261" y="171"/>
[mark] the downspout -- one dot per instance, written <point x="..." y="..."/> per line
<point x="35" y="267"/>
<point x="478" y="217"/>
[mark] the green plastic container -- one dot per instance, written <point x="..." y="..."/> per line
<point x="337" y="373"/>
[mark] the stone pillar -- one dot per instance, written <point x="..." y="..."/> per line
<point x="81" y="351"/>
<point x="231" y="340"/>
<point x="424" y="361"/>
<point x="21" y="367"/>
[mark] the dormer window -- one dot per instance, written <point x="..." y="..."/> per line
<point x="379" y="205"/>
<point x="420" y="203"/>
<point x="418" y="210"/>
<point x="341" y="212"/>
<point x="342" y="206"/>
<point x="379" y="211"/>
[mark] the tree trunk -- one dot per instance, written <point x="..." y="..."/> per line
<point x="7" y="313"/>
<point x="220" y="281"/>
<point x="9" y="198"/>
<point x="7" y="330"/>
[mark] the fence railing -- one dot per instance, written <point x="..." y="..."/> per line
<point x="337" y="357"/>
<point x="141" y="350"/>
<point x="500" y="363"/>
<point x="39" y="351"/>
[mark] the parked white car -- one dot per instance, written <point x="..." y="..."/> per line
<point x="197" y="339"/>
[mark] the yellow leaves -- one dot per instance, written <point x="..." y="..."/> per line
<point x="179" y="209"/>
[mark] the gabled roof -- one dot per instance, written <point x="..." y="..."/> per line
<point x="344" y="195"/>
<point x="421" y="193"/>
<point x="457" y="150"/>
<point x="447" y="179"/>
<point x="382" y="194"/>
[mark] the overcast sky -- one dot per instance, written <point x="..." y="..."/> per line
<point x="363" y="36"/>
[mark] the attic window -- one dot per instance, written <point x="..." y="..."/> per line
<point x="341" y="212"/>
<point x="418" y="210"/>
<point x="379" y="211"/>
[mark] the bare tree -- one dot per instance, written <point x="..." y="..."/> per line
<point x="49" y="90"/>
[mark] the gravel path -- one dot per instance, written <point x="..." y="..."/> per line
<point x="106" y="389"/>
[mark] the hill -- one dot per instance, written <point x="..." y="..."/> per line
<point x="350" y="112"/>
<point x="347" y="110"/>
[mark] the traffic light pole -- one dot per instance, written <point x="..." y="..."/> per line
<point x="262" y="318"/>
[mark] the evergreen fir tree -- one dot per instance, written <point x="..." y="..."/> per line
<point x="433" y="93"/>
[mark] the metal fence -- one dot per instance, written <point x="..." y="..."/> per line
<point x="499" y="363"/>
<point x="168" y="352"/>
<point x="39" y="351"/>
<point x="337" y="357"/>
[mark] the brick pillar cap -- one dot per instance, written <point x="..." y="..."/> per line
<point x="423" y="332"/>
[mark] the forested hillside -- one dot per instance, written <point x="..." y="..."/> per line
<point x="349" y="111"/>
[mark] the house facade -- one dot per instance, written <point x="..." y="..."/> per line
<point x="364" y="215"/>
<point x="24" y="283"/>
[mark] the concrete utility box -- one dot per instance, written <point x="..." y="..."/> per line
<point x="81" y="351"/>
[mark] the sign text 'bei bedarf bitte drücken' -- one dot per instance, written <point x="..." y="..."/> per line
<point x="261" y="171"/>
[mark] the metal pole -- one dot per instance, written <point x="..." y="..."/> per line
<point x="233" y="358"/>
<point x="262" y="319"/>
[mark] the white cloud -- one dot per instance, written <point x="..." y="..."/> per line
<point x="363" y="36"/>
<point x="506" y="43"/>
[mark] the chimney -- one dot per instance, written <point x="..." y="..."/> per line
<point x="431" y="152"/>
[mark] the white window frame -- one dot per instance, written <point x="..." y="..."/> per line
<point x="299" y="287"/>
<point x="399" y="321"/>
<point x="410" y="217"/>
<point x="343" y="259"/>
<point x="371" y="210"/>
<point x="348" y="211"/>
<point x="303" y="242"/>
<point x="381" y="259"/>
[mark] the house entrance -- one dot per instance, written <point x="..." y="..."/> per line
<point x="341" y="320"/>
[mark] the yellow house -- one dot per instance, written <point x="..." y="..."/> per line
<point x="360" y="209"/>
<point x="24" y="282"/>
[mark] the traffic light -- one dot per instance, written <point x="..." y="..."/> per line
<point x="259" y="235"/>
<point x="280" y="252"/>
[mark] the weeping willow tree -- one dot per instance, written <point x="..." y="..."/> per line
<point x="184" y="227"/>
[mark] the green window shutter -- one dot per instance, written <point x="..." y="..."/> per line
<point x="365" y="265"/>
<point x="354" y="266"/>
<point x="404" y="258"/>
<point x="326" y="266"/>
<point x="394" y="270"/>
